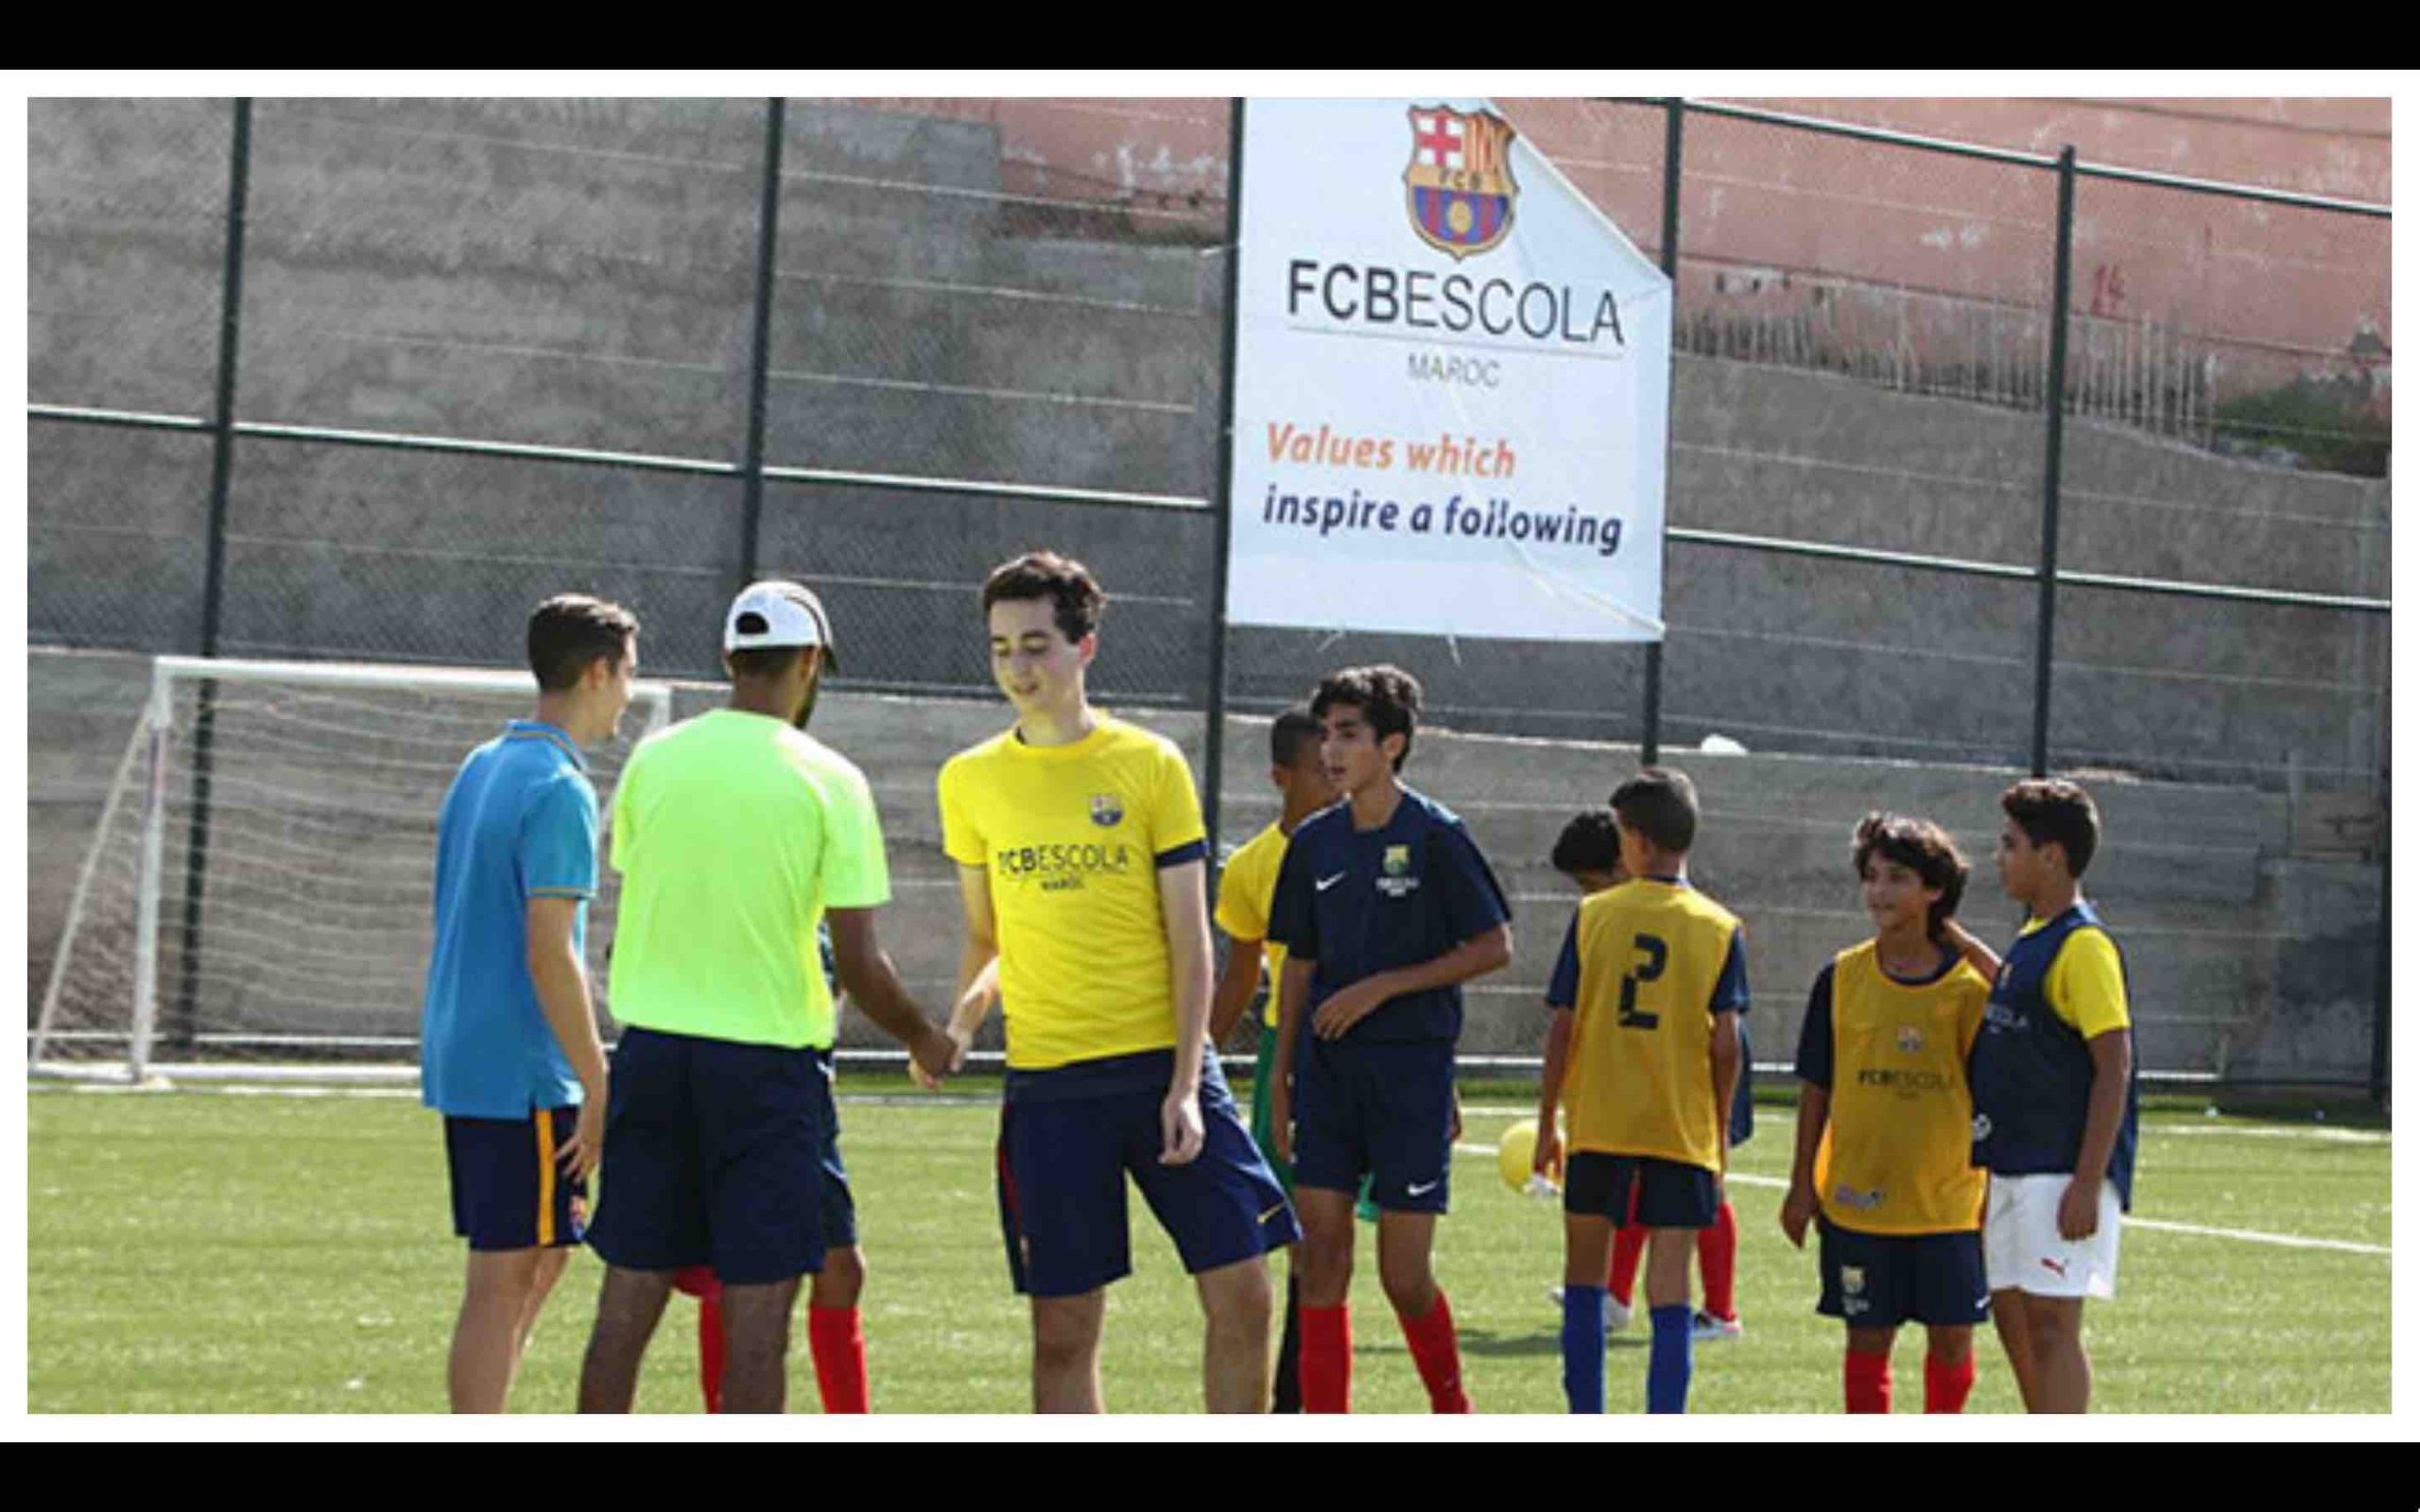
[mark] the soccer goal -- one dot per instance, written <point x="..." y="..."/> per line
<point x="256" y="900"/>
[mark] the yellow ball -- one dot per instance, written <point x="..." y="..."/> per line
<point x="1516" y="1152"/>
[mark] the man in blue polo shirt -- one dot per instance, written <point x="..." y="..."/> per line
<point x="508" y="1046"/>
<point x="1385" y="906"/>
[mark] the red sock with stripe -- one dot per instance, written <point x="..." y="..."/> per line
<point x="701" y="1283"/>
<point x="1947" y="1385"/>
<point x="1328" y="1359"/>
<point x="836" y="1336"/>
<point x="1866" y="1379"/>
<point x="1718" y="1262"/>
<point x="1440" y="1359"/>
<point x="1630" y="1243"/>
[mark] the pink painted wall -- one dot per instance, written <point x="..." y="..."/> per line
<point x="1162" y="153"/>
<point x="1769" y="217"/>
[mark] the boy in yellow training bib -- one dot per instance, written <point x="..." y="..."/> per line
<point x="1884" y="1162"/>
<point x="1655" y="976"/>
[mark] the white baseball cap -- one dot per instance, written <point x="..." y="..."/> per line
<point x="778" y="613"/>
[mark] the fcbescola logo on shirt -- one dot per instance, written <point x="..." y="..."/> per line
<point x="1107" y="810"/>
<point x="1396" y="866"/>
<point x="1061" y="868"/>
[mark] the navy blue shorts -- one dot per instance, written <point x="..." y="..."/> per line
<point x="1069" y="1138"/>
<point x="1381" y="1110"/>
<point x="718" y="1154"/>
<point x="508" y="1189"/>
<point x="1640" y="1189"/>
<point x="1743" y="1097"/>
<point x="1883" y="1281"/>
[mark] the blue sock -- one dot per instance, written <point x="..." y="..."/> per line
<point x="1584" y="1348"/>
<point x="1667" y="1360"/>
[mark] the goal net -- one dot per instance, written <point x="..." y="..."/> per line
<point x="259" y="889"/>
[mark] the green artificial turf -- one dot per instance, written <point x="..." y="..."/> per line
<point x="206" y="1252"/>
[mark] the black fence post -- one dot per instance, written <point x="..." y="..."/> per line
<point x="769" y="221"/>
<point x="1652" y="739"/>
<point x="2382" y="1009"/>
<point x="231" y="310"/>
<point x="1214" y="728"/>
<point x="2046" y="613"/>
<point x="183" y="1026"/>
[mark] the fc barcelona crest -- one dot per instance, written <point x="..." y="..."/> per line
<point x="1107" y="811"/>
<point x="1460" y="179"/>
<point x="1912" y="1039"/>
<point x="1398" y="860"/>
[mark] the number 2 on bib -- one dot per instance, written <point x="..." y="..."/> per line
<point x="1650" y="966"/>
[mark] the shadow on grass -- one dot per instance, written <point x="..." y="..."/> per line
<point x="1546" y="1343"/>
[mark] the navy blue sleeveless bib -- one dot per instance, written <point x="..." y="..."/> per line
<point x="2032" y="1070"/>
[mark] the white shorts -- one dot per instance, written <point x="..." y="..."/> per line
<point x="2022" y="1249"/>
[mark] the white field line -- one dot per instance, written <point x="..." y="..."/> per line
<point x="122" y="1090"/>
<point x="2328" y="1136"/>
<point x="1784" y="1117"/>
<point x="2288" y="1241"/>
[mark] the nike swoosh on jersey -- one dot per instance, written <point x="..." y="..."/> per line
<point x="1325" y="883"/>
<point x="1423" y="1191"/>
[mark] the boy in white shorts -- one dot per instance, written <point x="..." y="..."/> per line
<point x="2053" y="1077"/>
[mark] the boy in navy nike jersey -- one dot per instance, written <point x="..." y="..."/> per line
<point x="1385" y="906"/>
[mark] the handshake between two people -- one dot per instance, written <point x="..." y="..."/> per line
<point x="870" y="981"/>
<point x="939" y="1054"/>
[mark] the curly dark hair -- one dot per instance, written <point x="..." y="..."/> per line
<point x="1387" y="697"/>
<point x="1922" y="847"/>
<point x="1076" y="600"/>
<point x="1591" y="842"/>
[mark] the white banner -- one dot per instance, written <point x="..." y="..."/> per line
<point x="1452" y="384"/>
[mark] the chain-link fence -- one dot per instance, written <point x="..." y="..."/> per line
<point x="475" y="351"/>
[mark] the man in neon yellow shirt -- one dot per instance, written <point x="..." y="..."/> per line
<point x="1081" y="862"/>
<point x="736" y="832"/>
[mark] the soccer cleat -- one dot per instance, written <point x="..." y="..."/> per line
<point x="1617" y="1316"/>
<point x="1708" y="1328"/>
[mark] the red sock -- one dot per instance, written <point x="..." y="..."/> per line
<point x="710" y="1348"/>
<point x="834" y="1335"/>
<point x="1947" y="1385"/>
<point x="1439" y="1361"/>
<point x="1719" y="1261"/>
<point x="1866" y="1379"/>
<point x="1630" y="1242"/>
<point x="1328" y="1359"/>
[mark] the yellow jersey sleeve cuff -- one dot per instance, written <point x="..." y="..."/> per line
<point x="2088" y="986"/>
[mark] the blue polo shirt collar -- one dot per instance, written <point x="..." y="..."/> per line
<point x="539" y="730"/>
